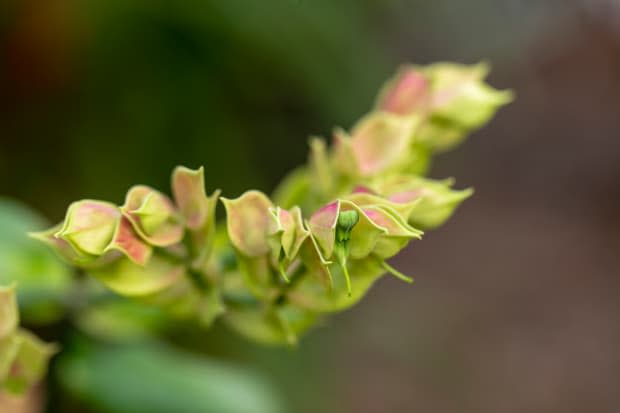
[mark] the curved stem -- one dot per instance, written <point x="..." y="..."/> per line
<point x="396" y="273"/>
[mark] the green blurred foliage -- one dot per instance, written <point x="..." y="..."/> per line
<point x="42" y="279"/>
<point x="138" y="87"/>
<point x="152" y="378"/>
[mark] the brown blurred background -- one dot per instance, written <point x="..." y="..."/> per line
<point x="515" y="306"/>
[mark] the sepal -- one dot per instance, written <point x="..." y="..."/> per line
<point x="248" y="221"/>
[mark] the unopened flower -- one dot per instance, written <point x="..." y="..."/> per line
<point x="407" y="93"/>
<point x="23" y="357"/>
<point x="379" y="143"/>
<point x="452" y="98"/>
<point x="345" y="230"/>
<point x="153" y="216"/>
<point x="431" y="202"/>
<point x="90" y="225"/>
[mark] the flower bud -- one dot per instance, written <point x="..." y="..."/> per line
<point x="153" y="216"/>
<point x="460" y="102"/>
<point x="63" y="248"/>
<point x="381" y="141"/>
<point x="124" y="240"/>
<point x="407" y="93"/>
<point x="436" y="200"/>
<point x="89" y="226"/>
<point x="27" y="364"/>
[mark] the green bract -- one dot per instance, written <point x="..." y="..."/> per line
<point x="278" y="264"/>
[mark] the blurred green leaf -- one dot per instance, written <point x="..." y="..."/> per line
<point x="153" y="378"/>
<point x="42" y="279"/>
<point x="273" y="326"/>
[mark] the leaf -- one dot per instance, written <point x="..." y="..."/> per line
<point x="121" y="319"/>
<point x="279" y="325"/>
<point x="150" y="377"/>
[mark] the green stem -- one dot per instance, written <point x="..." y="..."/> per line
<point x="396" y="273"/>
<point x="342" y="261"/>
<point x="283" y="272"/>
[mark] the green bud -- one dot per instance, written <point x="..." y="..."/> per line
<point x="124" y="240"/>
<point x="153" y="216"/>
<point x="381" y="142"/>
<point x="407" y="93"/>
<point x="460" y="102"/>
<point x="89" y="226"/>
<point x="346" y="222"/>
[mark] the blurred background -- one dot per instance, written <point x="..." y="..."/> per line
<point x="515" y="306"/>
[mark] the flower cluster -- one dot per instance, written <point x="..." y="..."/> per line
<point x="23" y="357"/>
<point x="317" y="245"/>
